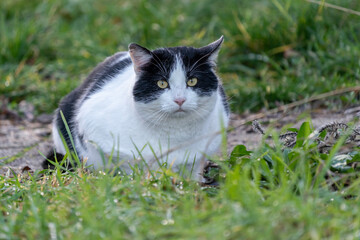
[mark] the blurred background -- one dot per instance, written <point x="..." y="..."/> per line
<point x="275" y="51"/>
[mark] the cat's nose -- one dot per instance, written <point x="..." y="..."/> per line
<point x="179" y="101"/>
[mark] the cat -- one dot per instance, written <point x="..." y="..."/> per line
<point x="139" y="104"/>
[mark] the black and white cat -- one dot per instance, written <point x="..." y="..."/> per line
<point x="169" y="98"/>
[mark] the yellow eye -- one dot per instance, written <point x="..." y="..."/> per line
<point x="162" y="84"/>
<point x="192" y="82"/>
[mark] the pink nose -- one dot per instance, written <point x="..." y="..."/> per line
<point x="179" y="101"/>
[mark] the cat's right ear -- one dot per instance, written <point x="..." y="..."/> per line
<point x="140" y="56"/>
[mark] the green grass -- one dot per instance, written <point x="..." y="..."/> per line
<point x="275" y="51"/>
<point x="266" y="194"/>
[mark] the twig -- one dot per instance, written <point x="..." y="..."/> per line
<point x="257" y="127"/>
<point x="296" y="104"/>
<point x="329" y="5"/>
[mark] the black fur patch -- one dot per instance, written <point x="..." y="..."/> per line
<point x="196" y="64"/>
<point x="108" y="72"/>
<point x="68" y="106"/>
<point x="101" y="70"/>
<point x="159" y="68"/>
<point x="224" y="99"/>
<point x="52" y="157"/>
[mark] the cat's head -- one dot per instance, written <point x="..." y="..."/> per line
<point x="178" y="82"/>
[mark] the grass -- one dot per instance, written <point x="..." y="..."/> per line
<point x="275" y="52"/>
<point x="270" y="193"/>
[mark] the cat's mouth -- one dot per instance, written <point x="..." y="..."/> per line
<point x="180" y="110"/>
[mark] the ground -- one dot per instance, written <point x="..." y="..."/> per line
<point x="22" y="141"/>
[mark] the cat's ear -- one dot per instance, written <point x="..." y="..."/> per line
<point x="140" y="56"/>
<point x="211" y="51"/>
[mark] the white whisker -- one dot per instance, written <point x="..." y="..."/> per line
<point x="205" y="56"/>
<point x="156" y="58"/>
<point x="157" y="66"/>
<point x="197" y="66"/>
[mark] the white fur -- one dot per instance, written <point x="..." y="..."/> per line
<point x="112" y="121"/>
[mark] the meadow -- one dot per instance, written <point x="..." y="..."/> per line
<point x="275" y="52"/>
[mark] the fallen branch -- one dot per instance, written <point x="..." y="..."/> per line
<point x="289" y="106"/>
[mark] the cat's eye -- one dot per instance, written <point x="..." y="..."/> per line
<point x="192" y="82"/>
<point x="162" y="84"/>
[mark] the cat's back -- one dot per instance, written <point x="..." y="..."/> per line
<point x="102" y="74"/>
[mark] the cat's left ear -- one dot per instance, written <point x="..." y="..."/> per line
<point x="140" y="56"/>
<point x="211" y="51"/>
